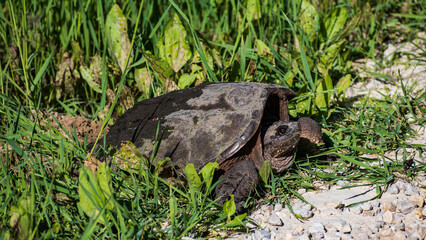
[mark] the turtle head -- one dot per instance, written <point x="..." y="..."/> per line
<point x="279" y="144"/>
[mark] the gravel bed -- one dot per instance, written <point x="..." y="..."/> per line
<point x="399" y="214"/>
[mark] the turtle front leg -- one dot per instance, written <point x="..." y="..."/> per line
<point x="240" y="179"/>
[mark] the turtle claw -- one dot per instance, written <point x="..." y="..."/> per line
<point x="240" y="179"/>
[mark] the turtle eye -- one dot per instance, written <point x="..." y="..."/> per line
<point x="282" y="130"/>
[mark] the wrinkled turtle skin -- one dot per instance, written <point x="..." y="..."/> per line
<point x="238" y="125"/>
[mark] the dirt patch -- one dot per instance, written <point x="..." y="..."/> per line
<point x="80" y="126"/>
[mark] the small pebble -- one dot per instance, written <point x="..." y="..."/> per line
<point x="421" y="231"/>
<point x="415" y="236"/>
<point x="288" y="236"/>
<point x="301" y="191"/>
<point x="342" y="183"/>
<point x="366" y="206"/>
<point x="375" y="203"/>
<point x="393" y="189"/>
<point x="317" y="235"/>
<point x="398" y="218"/>
<point x="399" y="227"/>
<point x="316" y="227"/>
<point x="356" y="209"/>
<point x="377" y="226"/>
<point x="305" y="214"/>
<point x="400" y="235"/>
<point x="389" y="217"/>
<point x="359" y="229"/>
<point x="410" y="190"/>
<point x="369" y="213"/>
<point x="360" y="236"/>
<point x="262" y="234"/>
<point x="346" y="228"/>
<point x="298" y="231"/>
<point x="307" y="207"/>
<point x="386" y="233"/>
<point x="406" y="207"/>
<point x="274" y="220"/>
<point x="332" y="230"/>
<point x="418" y="213"/>
<point x="269" y="208"/>
<point x="379" y="217"/>
<point x="331" y="236"/>
<point x="401" y="185"/>
<point x="278" y="207"/>
<point x="417" y="199"/>
<point x="389" y="206"/>
<point x="303" y="237"/>
<point x="339" y="223"/>
<point x="297" y="204"/>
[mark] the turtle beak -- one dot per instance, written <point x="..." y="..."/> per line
<point x="280" y="142"/>
<point x="282" y="164"/>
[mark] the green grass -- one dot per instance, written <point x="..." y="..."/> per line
<point x="55" y="56"/>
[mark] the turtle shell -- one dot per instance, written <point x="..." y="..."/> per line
<point x="210" y="122"/>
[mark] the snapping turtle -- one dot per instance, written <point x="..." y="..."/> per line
<point x="239" y="125"/>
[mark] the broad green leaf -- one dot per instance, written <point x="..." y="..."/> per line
<point x="21" y="218"/>
<point x="160" y="67"/>
<point x="308" y="19"/>
<point x="192" y="176"/>
<point x="304" y="106"/>
<point x="143" y="79"/>
<point x="264" y="51"/>
<point x="116" y="33"/>
<point x="328" y="82"/>
<point x="90" y="194"/>
<point x="334" y="22"/>
<point x="90" y="79"/>
<point x="265" y="172"/>
<point x="323" y="98"/>
<point x="207" y="173"/>
<point x="343" y="83"/>
<point x="320" y="99"/>
<point x="229" y="208"/>
<point x="15" y="213"/>
<point x="253" y="10"/>
<point x="105" y="183"/>
<point x="93" y="75"/>
<point x="186" y="80"/>
<point x="238" y="219"/>
<point x="173" y="46"/>
<point x="289" y="76"/>
<point x="330" y="54"/>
